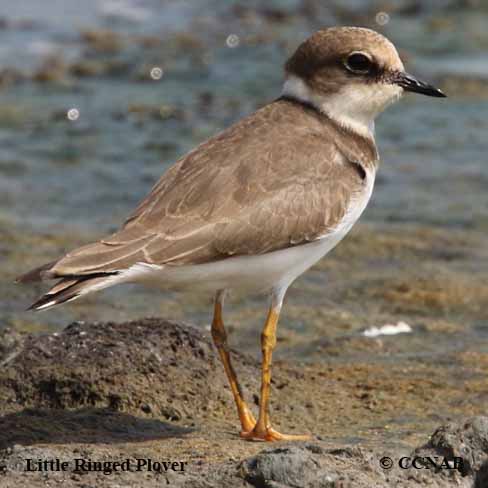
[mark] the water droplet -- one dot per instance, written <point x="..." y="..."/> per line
<point x="232" y="41"/>
<point x="382" y="18"/>
<point x="73" y="114"/>
<point x="156" y="73"/>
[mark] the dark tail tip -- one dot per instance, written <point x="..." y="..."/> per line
<point x="48" y="301"/>
<point x="68" y="289"/>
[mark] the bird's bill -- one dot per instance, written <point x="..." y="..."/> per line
<point x="412" y="84"/>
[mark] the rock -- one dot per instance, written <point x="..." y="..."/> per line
<point x="10" y="76"/>
<point x="53" y="69"/>
<point x="308" y="465"/>
<point x="137" y="367"/>
<point x="314" y="466"/>
<point x="10" y="344"/>
<point x="290" y="466"/>
<point x="103" y="41"/>
<point x="154" y="389"/>
<point x="467" y="440"/>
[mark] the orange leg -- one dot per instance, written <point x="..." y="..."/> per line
<point x="262" y="430"/>
<point x="219" y="336"/>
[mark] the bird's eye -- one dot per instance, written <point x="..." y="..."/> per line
<point x="358" y="63"/>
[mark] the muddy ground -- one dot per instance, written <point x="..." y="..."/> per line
<point x="154" y="389"/>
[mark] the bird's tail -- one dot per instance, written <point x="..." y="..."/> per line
<point x="89" y="268"/>
<point x="68" y="288"/>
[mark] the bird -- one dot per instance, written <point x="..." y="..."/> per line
<point x="256" y="205"/>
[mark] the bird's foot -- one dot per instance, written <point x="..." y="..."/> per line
<point x="247" y="420"/>
<point x="271" y="435"/>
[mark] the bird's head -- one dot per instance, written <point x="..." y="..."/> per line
<point x="351" y="74"/>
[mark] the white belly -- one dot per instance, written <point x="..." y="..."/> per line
<point x="253" y="273"/>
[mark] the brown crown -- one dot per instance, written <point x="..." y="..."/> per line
<point x="328" y="48"/>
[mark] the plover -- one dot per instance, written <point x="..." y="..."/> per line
<point x="255" y="206"/>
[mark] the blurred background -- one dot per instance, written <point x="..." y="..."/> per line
<point x="98" y="98"/>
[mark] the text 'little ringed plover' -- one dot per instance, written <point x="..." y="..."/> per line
<point x="255" y="206"/>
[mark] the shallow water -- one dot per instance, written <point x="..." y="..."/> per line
<point x="420" y="254"/>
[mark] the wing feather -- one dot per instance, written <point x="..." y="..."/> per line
<point x="276" y="179"/>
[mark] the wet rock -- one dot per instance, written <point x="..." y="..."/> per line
<point x="103" y="41"/>
<point x="148" y="41"/>
<point x="10" y="76"/>
<point x="143" y="112"/>
<point x="270" y="14"/>
<point x="52" y="70"/>
<point x="98" y="68"/>
<point x="187" y="41"/>
<point x="86" y="68"/>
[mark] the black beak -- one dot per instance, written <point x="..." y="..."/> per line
<point x="412" y="84"/>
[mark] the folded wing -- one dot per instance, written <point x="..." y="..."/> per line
<point x="267" y="183"/>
